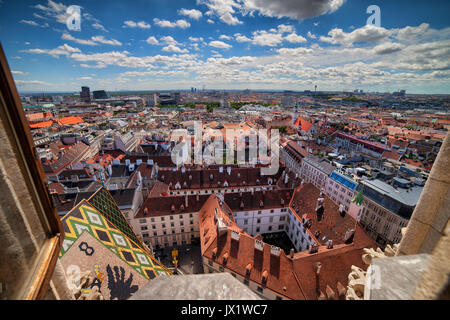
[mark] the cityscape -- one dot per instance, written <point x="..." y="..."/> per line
<point x="285" y="150"/>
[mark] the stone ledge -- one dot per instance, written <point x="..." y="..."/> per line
<point x="217" y="286"/>
<point x="395" y="278"/>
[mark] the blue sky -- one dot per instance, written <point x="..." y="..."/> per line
<point x="228" y="44"/>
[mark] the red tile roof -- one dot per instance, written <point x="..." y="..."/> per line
<point x="292" y="277"/>
<point x="69" y="120"/>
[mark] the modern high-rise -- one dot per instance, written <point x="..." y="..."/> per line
<point x="85" y="94"/>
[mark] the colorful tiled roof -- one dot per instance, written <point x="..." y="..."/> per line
<point x="92" y="242"/>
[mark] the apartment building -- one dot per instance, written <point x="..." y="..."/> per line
<point x="387" y="208"/>
<point x="341" y="189"/>
<point x="316" y="171"/>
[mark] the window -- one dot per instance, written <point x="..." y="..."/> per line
<point x="245" y="221"/>
<point x="278" y="298"/>
<point x="270" y="228"/>
<point x="191" y="222"/>
<point x="142" y="220"/>
<point x="260" y="290"/>
<point x="190" y="215"/>
<point x="145" y="235"/>
<point x="155" y="234"/>
<point x="280" y="227"/>
<point x="282" y="218"/>
<point x="162" y="218"/>
<point x="171" y="217"/>
<point x="172" y="224"/>
<point x="152" y="219"/>
<point x="144" y="228"/>
<point x="181" y="216"/>
<point x="221" y="269"/>
<point x="257" y="229"/>
<point x="153" y="226"/>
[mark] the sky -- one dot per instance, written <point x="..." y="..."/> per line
<point x="228" y="44"/>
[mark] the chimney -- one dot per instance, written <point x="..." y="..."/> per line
<point x="259" y="245"/>
<point x="221" y="169"/>
<point x="275" y="251"/>
<point x="318" y="267"/>
<point x="291" y="253"/>
<point x="172" y="208"/>
<point x="342" y="210"/>
<point x="330" y="244"/>
<point x="235" y="235"/>
<point x="313" y="248"/>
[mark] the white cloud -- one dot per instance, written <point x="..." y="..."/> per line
<point x="224" y="9"/>
<point x="67" y="36"/>
<point x="129" y="23"/>
<point x="61" y="50"/>
<point x="31" y="82"/>
<point x="39" y="16"/>
<point x="143" y="25"/>
<point x="152" y="40"/>
<point x="133" y="24"/>
<point x="102" y="39"/>
<point x="210" y="21"/>
<point x="220" y="45"/>
<point x="169" y="40"/>
<point x="241" y="38"/>
<point x="54" y="10"/>
<point x="368" y="33"/>
<point x="310" y="35"/>
<point x="168" y="24"/>
<point x="264" y="38"/>
<point x="294" y="38"/>
<point x="95" y="40"/>
<point x="193" y="13"/>
<point x="30" y="22"/>
<point x="387" y="48"/>
<point x="99" y="27"/>
<point x="194" y="39"/>
<point x="173" y="48"/>
<point x="225" y="37"/>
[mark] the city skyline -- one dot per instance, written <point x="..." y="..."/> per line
<point x="287" y="45"/>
